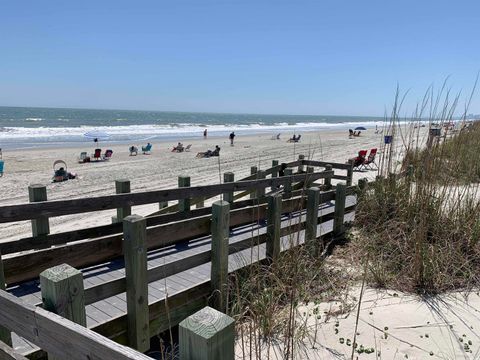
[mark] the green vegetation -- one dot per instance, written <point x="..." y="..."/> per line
<point x="419" y="224"/>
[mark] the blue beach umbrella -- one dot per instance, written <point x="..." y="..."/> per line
<point x="360" y="128"/>
<point x="96" y="135"/>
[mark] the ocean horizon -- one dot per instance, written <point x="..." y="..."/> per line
<point x="27" y="127"/>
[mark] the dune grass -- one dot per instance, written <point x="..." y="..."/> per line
<point x="419" y="223"/>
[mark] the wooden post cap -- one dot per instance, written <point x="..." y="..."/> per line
<point x="207" y="335"/>
<point x="59" y="272"/>
<point x="207" y="322"/>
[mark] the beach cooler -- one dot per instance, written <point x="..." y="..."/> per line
<point x="1" y="167"/>
<point x="388" y="139"/>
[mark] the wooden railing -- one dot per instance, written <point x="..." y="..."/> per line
<point x="107" y="242"/>
<point x="60" y="337"/>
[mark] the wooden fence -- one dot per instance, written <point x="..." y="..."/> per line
<point x="135" y="235"/>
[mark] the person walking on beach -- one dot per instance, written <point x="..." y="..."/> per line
<point x="232" y="136"/>
<point x="205" y="133"/>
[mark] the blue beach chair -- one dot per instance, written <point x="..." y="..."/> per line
<point x="146" y="149"/>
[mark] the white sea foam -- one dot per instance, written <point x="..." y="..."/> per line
<point x="125" y="132"/>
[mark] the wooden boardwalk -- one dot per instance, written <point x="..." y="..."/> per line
<point x="116" y="306"/>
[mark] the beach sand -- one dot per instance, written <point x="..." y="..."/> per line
<point x="391" y="325"/>
<point x="158" y="170"/>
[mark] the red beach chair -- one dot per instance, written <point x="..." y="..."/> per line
<point x="370" y="161"/>
<point x="98" y="154"/>
<point x="359" y="160"/>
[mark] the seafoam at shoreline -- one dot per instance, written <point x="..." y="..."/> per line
<point x="55" y="137"/>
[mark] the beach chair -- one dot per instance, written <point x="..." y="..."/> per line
<point x="97" y="155"/>
<point x="83" y="158"/>
<point x="359" y="160"/>
<point x="370" y="160"/>
<point x="147" y="149"/>
<point x="188" y="147"/>
<point x="108" y="155"/>
<point x="294" y="139"/>
<point x="133" y="150"/>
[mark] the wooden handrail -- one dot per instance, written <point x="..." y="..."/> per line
<point x="52" y="332"/>
<point x="46" y="241"/>
<point x="30" y="211"/>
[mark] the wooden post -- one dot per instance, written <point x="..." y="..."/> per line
<point x="287" y="189"/>
<point x="274" y="172"/>
<point x="207" y="335"/>
<point x="135" y="254"/>
<point x="228" y="177"/>
<point x="220" y="236"/>
<point x="328" y="180"/>
<point x="36" y="193"/>
<point x="122" y="187"/>
<point x="62" y="292"/>
<point x="261" y="192"/>
<point x="340" y="197"/>
<point x="350" y="173"/>
<point x="5" y="335"/>
<point x="162" y="205"/>
<point x="184" y="204"/>
<point x="309" y="181"/>
<point x="301" y="158"/>
<point x="313" y="199"/>
<point x="253" y="171"/>
<point x="274" y="212"/>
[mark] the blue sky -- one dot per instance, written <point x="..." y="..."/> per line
<point x="292" y="57"/>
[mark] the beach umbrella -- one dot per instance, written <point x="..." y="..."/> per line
<point x="360" y="128"/>
<point x="96" y="135"/>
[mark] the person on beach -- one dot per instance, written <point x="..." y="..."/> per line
<point x="178" y="148"/>
<point x="205" y="133"/>
<point x="209" y="153"/>
<point x="232" y="136"/>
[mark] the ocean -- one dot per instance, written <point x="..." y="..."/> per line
<point x="26" y="127"/>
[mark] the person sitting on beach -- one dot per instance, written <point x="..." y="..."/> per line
<point x="357" y="134"/>
<point x="133" y="150"/>
<point x="178" y="148"/>
<point x="209" y="153"/>
<point x="61" y="172"/>
<point x="294" y="138"/>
